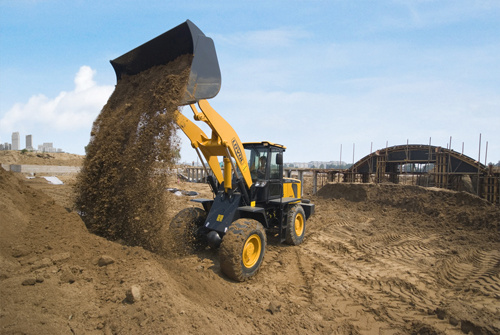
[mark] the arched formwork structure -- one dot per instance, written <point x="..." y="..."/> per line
<point x="428" y="166"/>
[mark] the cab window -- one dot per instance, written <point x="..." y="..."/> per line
<point x="275" y="168"/>
<point x="257" y="161"/>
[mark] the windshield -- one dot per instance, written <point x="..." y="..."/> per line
<point x="257" y="161"/>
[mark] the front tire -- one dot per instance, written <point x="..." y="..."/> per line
<point x="296" y="226"/>
<point x="242" y="249"/>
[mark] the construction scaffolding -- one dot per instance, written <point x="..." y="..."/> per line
<point x="428" y="165"/>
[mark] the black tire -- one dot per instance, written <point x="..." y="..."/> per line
<point x="295" y="225"/>
<point x="184" y="226"/>
<point x="242" y="249"/>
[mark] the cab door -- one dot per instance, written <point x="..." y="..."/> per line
<point x="275" y="173"/>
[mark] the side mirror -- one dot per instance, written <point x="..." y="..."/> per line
<point x="279" y="159"/>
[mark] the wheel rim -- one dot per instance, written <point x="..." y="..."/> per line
<point x="251" y="250"/>
<point x="299" y="224"/>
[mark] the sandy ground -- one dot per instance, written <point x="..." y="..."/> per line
<point x="35" y="158"/>
<point x="377" y="259"/>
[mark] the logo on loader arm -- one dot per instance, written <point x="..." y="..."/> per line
<point x="237" y="150"/>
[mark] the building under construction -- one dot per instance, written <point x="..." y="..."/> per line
<point x="427" y="165"/>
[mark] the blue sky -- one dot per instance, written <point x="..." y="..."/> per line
<point x="313" y="75"/>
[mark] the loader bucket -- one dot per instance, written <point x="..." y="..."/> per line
<point x="186" y="39"/>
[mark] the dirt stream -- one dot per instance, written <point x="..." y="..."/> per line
<point x="384" y="259"/>
<point x="120" y="189"/>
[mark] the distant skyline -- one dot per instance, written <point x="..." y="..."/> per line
<point x="313" y="75"/>
<point x="27" y="142"/>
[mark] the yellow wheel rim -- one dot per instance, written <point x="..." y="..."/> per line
<point x="252" y="250"/>
<point x="299" y="224"/>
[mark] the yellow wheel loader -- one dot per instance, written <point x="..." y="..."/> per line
<point x="251" y="196"/>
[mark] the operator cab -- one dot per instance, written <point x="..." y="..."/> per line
<point x="265" y="161"/>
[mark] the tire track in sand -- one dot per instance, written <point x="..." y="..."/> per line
<point x="476" y="270"/>
<point x="379" y="277"/>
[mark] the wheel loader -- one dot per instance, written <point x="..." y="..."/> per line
<point x="251" y="198"/>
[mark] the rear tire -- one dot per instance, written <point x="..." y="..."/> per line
<point x="242" y="249"/>
<point x="295" y="226"/>
<point x="184" y="227"/>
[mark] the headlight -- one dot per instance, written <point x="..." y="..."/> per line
<point x="261" y="183"/>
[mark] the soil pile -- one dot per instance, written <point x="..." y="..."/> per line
<point x="120" y="191"/>
<point x="364" y="268"/>
<point x="461" y="207"/>
<point x="57" y="278"/>
<point x="38" y="244"/>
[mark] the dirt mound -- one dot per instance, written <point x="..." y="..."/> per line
<point x="34" y="158"/>
<point x="461" y="207"/>
<point x="34" y="250"/>
<point x="363" y="268"/>
<point x="13" y="213"/>
<point x="120" y="190"/>
<point x="57" y="278"/>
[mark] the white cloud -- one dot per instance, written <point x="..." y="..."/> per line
<point x="84" y="79"/>
<point x="68" y="111"/>
<point x="65" y="119"/>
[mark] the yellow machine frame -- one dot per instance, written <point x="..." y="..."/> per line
<point x="223" y="142"/>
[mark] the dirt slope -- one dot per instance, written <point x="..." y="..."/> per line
<point x="34" y="158"/>
<point x="403" y="264"/>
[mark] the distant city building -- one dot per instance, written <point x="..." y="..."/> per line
<point x="5" y="146"/>
<point x="46" y="147"/>
<point x="16" y="141"/>
<point x="16" y="144"/>
<point x="29" y="142"/>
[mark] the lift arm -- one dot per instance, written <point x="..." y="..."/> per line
<point x="197" y="136"/>
<point x="223" y="142"/>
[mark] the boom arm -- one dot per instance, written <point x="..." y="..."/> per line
<point x="223" y="142"/>
<point x="197" y="136"/>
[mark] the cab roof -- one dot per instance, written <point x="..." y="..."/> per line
<point x="265" y="144"/>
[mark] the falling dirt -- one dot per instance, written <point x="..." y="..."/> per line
<point x="385" y="259"/>
<point x="120" y="190"/>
